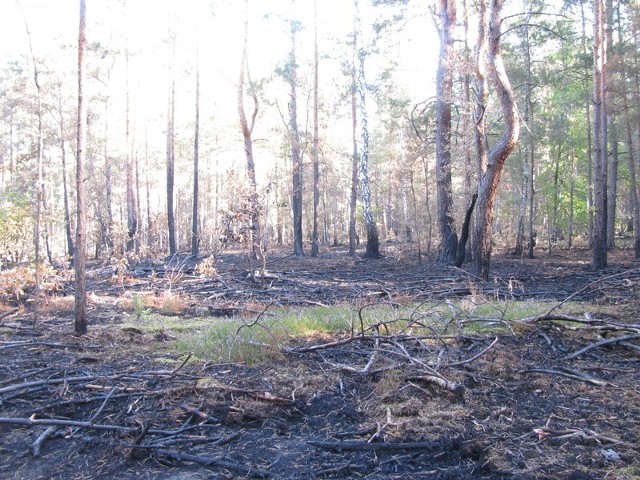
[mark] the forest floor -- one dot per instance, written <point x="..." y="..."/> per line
<point x="518" y="400"/>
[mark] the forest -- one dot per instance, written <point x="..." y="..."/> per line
<point x="320" y="239"/>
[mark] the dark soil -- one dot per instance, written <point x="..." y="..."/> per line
<point x="128" y="407"/>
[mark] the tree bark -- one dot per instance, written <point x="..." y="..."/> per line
<point x="246" y="127"/>
<point x="80" y="253"/>
<point x="490" y="179"/>
<point x="353" y="201"/>
<point x="296" y="154"/>
<point x="633" y="184"/>
<point x="373" y="239"/>
<point x="195" y="236"/>
<point x="65" y="192"/>
<point x="171" y="221"/>
<point x="315" y="152"/>
<point x="444" y="87"/>
<point x="599" y="137"/>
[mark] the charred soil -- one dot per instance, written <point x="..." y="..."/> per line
<point x="520" y="402"/>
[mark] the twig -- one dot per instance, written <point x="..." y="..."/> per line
<point x="8" y="313"/>
<point x="37" y="444"/>
<point x="313" y="348"/>
<point x="589" y="285"/>
<point x="173" y="373"/>
<point x="32" y="422"/>
<point x="475" y="357"/>
<point x="50" y="381"/>
<point x="574" y="376"/>
<point x="95" y="415"/>
<point x="352" y="446"/>
<point x="47" y="344"/>
<point x="609" y="341"/>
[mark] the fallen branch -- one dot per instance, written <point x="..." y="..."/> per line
<point x="33" y="422"/>
<point x="313" y="348"/>
<point x="608" y="341"/>
<point x="456" y="388"/>
<point x="8" y="313"/>
<point x="47" y="344"/>
<point x="377" y="447"/>
<point x="50" y="381"/>
<point x="475" y="357"/>
<point x="550" y="317"/>
<point x="572" y="375"/>
<point x="584" y="433"/>
<point x="37" y="444"/>
<point x="216" y="462"/>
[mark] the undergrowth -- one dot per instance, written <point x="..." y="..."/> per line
<point x="260" y="339"/>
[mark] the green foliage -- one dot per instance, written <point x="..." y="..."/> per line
<point x="16" y="225"/>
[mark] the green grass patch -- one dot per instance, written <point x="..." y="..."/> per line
<point x="253" y="341"/>
<point x="152" y="323"/>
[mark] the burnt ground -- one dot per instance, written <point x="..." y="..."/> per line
<point x="502" y="403"/>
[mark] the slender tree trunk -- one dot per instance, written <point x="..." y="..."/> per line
<point x="107" y="174"/>
<point x="633" y="184"/>
<point x="171" y="221"/>
<point x="195" y="236"/>
<point x="468" y="132"/>
<point x="612" y="134"/>
<point x="555" y="201"/>
<point x="599" y="137"/>
<point x="612" y="180"/>
<point x="353" y="201"/>
<point x="315" y="153"/>
<point x="373" y="239"/>
<point x="572" y="189"/>
<point x="132" y="199"/>
<point x="527" y="185"/>
<point x="490" y="179"/>
<point x="65" y="190"/>
<point x="246" y="126"/>
<point x="587" y="109"/>
<point x="296" y="155"/>
<point x="444" y="87"/>
<point x="80" y="253"/>
<point x="37" y="238"/>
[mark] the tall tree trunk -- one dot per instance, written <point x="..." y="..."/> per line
<point x="132" y="199"/>
<point x="296" y="154"/>
<point x="65" y="190"/>
<point x="171" y="221"/>
<point x="468" y="133"/>
<point x="490" y="179"/>
<point x="315" y="153"/>
<point x="527" y="185"/>
<point x="612" y="180"/>
<point x="572" y="189"/>
<point x="353" y="200"/>
<point x="246" y="126"/>
<point x="633" y="184"/>
<point x="599" y="136"/>
<point x="612" y="134"/>
<point x="37" y="238"/>
<point x="444" y="87"/>
<point x="373" y="239"/>
<point x="588" y="98"/>
<point x="107" y="170"/>
<point x="195" y="237"/>
<point x="81" y="238"/>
